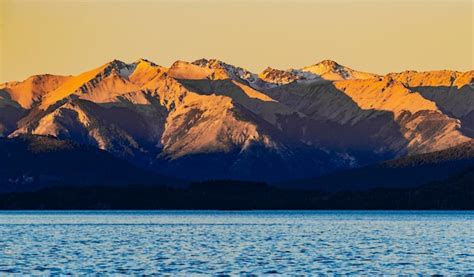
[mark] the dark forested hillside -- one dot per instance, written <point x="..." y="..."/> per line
<point x="32" y="162"/>
<point x="406" y="172"/>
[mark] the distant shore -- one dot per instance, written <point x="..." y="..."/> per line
<point x="228" y="195"/>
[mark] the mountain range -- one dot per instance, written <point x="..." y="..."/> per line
<point x="208" y="119"/>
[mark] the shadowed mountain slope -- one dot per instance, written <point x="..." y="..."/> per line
<point x="399" y="173"/>
<point x="33" y="162"/>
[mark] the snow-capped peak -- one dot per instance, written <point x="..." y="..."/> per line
<point x="122" y="69"/>
<point x="279" y="77"/>
<point x="331" y="70"/>
<point x="233" y="72"/>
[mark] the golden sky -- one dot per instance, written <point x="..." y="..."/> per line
<point x="68" y="37"/>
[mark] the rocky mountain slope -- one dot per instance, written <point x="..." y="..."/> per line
<point x="209" y="119"/>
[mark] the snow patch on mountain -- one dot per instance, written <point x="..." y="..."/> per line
<point x="330" y="70"/>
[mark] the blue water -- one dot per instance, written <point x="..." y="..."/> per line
<point x="198" y="242"/>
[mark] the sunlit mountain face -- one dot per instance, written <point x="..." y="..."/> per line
<point x="210" y="120"/>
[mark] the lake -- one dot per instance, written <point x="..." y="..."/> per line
<point x="253" y="242"/>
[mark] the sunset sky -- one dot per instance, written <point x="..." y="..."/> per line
<point x="68" y="37"/>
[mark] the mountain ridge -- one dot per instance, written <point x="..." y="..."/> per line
<point x="326" y="116"/>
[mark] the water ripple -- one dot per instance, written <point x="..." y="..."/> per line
<point x="223" y="243"/>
